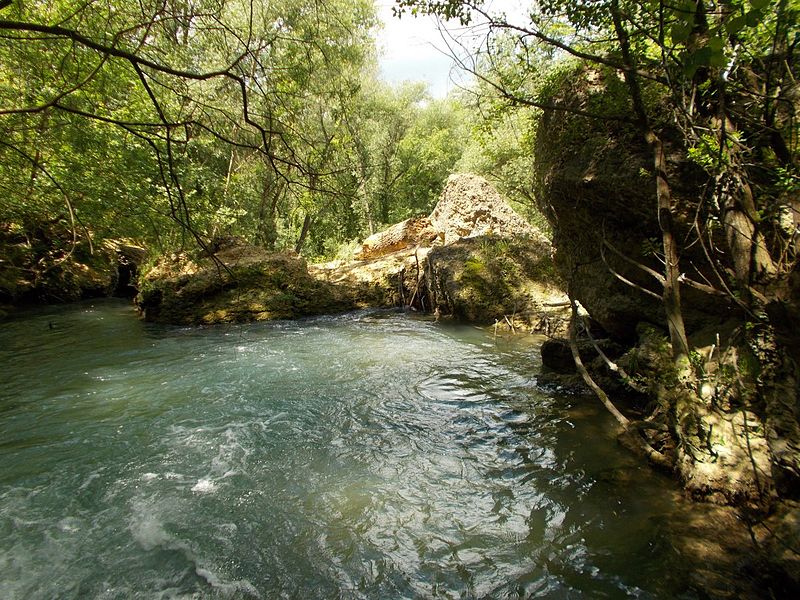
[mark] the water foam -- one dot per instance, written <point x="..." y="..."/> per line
<point x="204" y="486"/>
<point x="227" y="588"/>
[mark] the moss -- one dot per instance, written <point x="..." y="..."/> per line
<point x="265" y="286"/>
<point x="486" y="278"/>
<point x="45" y="264"/>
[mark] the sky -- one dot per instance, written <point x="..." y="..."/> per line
<point x="412" y="47"/>
<point x="409" y="52"/>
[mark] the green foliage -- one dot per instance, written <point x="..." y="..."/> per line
<point x="787" y="179"/>
<point x="712" y="80"/>
<point x="144" y="144"/>
<point x="213" y="119"/>
<point x="501" y="144"/>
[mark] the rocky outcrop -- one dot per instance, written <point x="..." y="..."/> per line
<point x="454" y="268"/>
<point x="730" y="439"/>
<point x="48" y="263"/>
<point x="472" y="259"/>
<point x="594" y="182"/>
<point x="241" y="283"/>
<point x="469" y="206"/>
<point x="491" y="278"/>
<point x="411" y="233"/>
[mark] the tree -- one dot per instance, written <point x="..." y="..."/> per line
<point x="401" y="146"/>
<point x="501" y="143"/>
<point x="183" y="92"/>
<point x="711" y="79"/>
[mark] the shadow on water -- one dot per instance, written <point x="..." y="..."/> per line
<point x="370" y="455"/>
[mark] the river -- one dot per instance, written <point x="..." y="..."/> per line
<point x="369" y="455"/>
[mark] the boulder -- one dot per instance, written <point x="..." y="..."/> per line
<point x="241" y="283"/>
<point x="490" y="278"/>
<point x="731" y="409"/>
<point x="472" y="259"/>
<point x="416" y="231"/>
<point x="594" y="183"/>
<point x="469" y="206"/>
<point x="46" y="263"/>
<point x="485" y="265"/>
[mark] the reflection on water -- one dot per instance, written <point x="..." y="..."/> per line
<point x="363" y="456"/>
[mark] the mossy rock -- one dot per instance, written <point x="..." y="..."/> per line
<point x="594" y="181"/>
<point x="46" y="265"/>
<point x="247" y="284"/>
<point x="484" y="279"/>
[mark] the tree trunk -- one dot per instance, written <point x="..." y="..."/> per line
<point x="303" y="233"/>
<point x="672" y="293"/>
<point x="37" y="158"/>
<point x="266" y="227"/>
<point x="231" y="164"/>
<point x="365" y="197"/>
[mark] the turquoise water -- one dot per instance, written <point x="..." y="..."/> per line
<point x="371" y="455"/>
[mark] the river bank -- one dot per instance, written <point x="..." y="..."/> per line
<point x="472" y="259"/>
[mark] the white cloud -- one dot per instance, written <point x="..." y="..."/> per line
<point x="409" y="50"/>
<point x="412" y="48"/>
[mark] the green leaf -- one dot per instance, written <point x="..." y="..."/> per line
<point x="702" y="58"/>
<point x="689" y="68"/>
<point x="680" y="32"/>
<point x="718" y="58"/>
<point x="759" y="4"/>
<point x="715" y="43"/>
<point x="754" y="17"/>
<point x="735" y="24"/>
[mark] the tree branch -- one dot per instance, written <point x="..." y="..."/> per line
<point x="594" y="58"/>
<point x="638" y="443"/>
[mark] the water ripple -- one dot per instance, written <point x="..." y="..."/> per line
<point x="369" y="455"/>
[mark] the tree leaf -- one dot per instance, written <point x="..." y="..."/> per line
<point x="736" y="24"/>
<point x="702" y="58"/>
<point x="718" y="58"/>
<point x="754" y="17"/>
<point x="715" y="43"/>
<point x="680" y="32"/>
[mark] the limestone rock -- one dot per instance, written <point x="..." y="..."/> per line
<point x="245" y="283"/>
<point x="594" y="182"/>
<point x="416" y="231"/>
<point x="472" y="259"/>
<point x="47" y="263"/>
<point x="486" y="279"/>
<point x="469" y="206"/>
<point x="731" y="408"/>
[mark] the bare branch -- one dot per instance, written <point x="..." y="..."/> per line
<point x="655" y="274"/>
<point x="639" y="443"/>
<point x="551" y="41"/>
<point x="516" y="99"/>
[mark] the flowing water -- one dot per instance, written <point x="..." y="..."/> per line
<point x="371" y="455"/>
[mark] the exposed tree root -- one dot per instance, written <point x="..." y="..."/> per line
<point x="630" y="437"/>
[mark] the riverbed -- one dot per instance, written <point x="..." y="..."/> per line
<point x="369" y="455"/>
